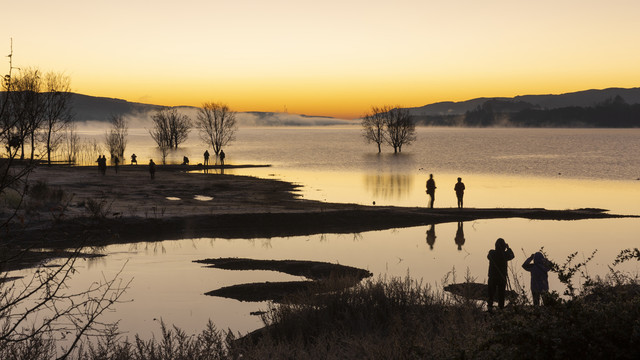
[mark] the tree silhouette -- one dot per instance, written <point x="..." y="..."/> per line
<point x="217" y="125"/>
<point x="401" y="130"/>
<point x="116" y="138"/>
<point x="373" y="124"/>
<point x="57" y="110"/>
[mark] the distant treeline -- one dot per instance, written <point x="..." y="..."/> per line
<point x="612" y="113"/>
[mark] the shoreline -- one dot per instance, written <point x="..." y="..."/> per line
<point x="130" y="207"/>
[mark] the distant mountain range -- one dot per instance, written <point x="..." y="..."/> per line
<point x="570" y="109"/>
<point x="92" y="108"/>
<point x="586" y="98"/>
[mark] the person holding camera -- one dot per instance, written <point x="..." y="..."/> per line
<point x="498" y="259"/>
<point x="538" y="266"/>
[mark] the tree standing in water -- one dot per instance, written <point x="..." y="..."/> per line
<point x="170" y="128"/>
<point x="401" y="130"/>
<point x="392" y="125"/>
<point x="373" y="125"/>
<point x="217" y="125"/>
<point x="116" y="138"/>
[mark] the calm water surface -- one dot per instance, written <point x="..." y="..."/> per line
<point x="549" y="168"/>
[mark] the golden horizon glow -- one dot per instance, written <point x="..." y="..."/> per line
<point x="332" y="58"/>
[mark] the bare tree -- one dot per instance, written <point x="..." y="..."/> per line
<point x="26" y="108"/>
<point x="217" y="125"/>
<point x="392" y="125"/>
<point x="401" y="130"/>
<point x="37" y="309"/>
<point x="12" y="176"/>
<point x="71" y="146"/>
<point x="161" y="134"/>
<point x="373" y="124"/>
<point x="57" y="110"/>
<point x="116" y="138"/>
<point x="170" y="128"/>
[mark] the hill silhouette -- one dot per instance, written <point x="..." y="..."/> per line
<point x="612" y="107"/>
<point x="584" y="98"/>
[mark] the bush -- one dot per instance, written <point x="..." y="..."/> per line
<point x="98" y="209"/>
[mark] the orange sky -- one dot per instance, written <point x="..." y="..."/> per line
<point x="334" y="58"/>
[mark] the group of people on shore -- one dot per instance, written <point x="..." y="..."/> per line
<point x="499" y="257"/>
<point x="102" y="162"/>
<point x="431" y="191"/>
<point x="536" y="264"/>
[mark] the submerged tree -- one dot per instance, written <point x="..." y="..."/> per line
<point x="161" y="133"/>
<point x="373" y="125"/>
<point x="392" y="125"/>
<point x="170" y="128"/>
<point x="116" y="138"/>
<point x="401" y="130"/>
<point x="217" y="125"/>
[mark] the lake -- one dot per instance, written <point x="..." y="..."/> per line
<point x="523" y="168"/>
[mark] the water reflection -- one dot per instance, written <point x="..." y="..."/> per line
<point x="431" y="236"/>
<point x="168" y="285"/>
<point x="388" y="186"/>
<point x="459" y="239"/>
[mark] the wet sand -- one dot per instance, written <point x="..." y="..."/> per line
<point x="137" y="208"/>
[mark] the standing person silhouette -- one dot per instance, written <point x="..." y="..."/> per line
<point x="116" y="161"/>
<point x="152" y="169"/>
<point x="99" y="161"/>
<point x="206" y="157"/>
<point x="431" y="190"/>
<point x="539" y="278"/>
<point x="498" y="259"/>
<point x="134" y="159"/>
<point x="102" y="164"/>
<point x="459" y="188"/>
<point x="222" y="156"/>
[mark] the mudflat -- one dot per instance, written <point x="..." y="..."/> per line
<point x="180" y="202"/>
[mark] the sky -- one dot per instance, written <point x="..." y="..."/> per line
<point x="332" y="57"/>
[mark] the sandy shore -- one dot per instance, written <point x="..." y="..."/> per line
<point x="179" y="204"/>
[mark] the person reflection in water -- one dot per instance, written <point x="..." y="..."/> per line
<point x="539" y="278"/>
<point x="498" y="276"/>
<point x="459" y="188"/>
<point x="431" y="236"/>
<point x="459" y="236"/>
<point x="431" y="190"/>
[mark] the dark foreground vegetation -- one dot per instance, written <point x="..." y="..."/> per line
<point x="404" y="319"/>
